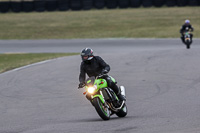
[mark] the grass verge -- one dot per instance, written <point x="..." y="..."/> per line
<point x="11" y="61"/>
<point x="129" y="23"/>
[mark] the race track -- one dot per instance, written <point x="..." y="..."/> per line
<point x="162" y="80"/>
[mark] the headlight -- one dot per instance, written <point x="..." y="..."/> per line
<point x="92" y="89"/>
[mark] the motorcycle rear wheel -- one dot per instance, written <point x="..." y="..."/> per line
<point x="123" y="112"/>
<point x="101" y="109"/>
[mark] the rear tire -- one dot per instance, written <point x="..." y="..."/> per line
<point x="103" y="111"/>
<point x="123" y="112"/>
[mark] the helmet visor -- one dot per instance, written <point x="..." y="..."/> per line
<point x="85" y="57"/>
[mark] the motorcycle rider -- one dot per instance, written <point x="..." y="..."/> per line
<point x="95" y="66"/>
<point x="186" y="27"/>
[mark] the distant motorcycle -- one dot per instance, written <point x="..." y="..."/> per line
<point x="187" y="39"/>
<point x="104" y="99"/>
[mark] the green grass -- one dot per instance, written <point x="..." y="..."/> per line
<point x="129" y="23"/>
<point x="11" y="61"/>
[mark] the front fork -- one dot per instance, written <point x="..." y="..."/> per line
<point x="100" y="96"/>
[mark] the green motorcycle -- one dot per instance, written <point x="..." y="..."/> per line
<point x="104" y="98"/>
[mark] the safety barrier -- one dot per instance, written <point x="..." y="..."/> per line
<point x="171" y="3"/>
<point x="193" y="2"/>
<point x="4" y="6"/>
<point x="39" y="5"/>
<point x="16" y="5"/>
<point x="27" y="5"/>
<point x="51" y="5"/>
<point x="147" y="3"/>
<point x="158" y="3"/>
<point x="135" y="3"/>
<point x="87" y="4"/>
<point x="182" y="2"/>
<point x="64" y="5"/>
<point x="99" y="4"/>
<point x="123" y="3"/>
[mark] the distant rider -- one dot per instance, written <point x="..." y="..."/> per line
<point x="95" y="66"/>
<point x="186" y="27"/>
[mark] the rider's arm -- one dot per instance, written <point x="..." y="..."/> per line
<point x="104" y="65"/>
<point x="192" y="29"/>
<point x="181" y="30"/>
<point x="82" y="74"/>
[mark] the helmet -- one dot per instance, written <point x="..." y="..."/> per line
<point x="187" y="21"/>
<point x="87" y="54"/>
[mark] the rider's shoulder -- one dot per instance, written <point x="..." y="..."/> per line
<point x="82" y="63"/>
<point x="98" y="58"/>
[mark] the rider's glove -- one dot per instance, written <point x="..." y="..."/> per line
<point x="81" y="85"/>
<point x="104" y="71"/>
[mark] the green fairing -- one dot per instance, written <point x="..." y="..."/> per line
<point x="88" y="81"/>
<point x="104" y="84"/>
<point x="100" y="97"/>
<point x="101" y="83"/>
<point x="112" y="79"/>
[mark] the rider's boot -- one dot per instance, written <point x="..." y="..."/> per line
<point x="116" y="89"/>
<point x="121" y="97"/>
<point x="118" y="92"/>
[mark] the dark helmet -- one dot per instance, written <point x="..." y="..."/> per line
<point x="87" y="54"/>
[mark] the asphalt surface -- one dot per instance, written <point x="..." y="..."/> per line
<point x="161" y="77"/>
<point x="99" y="45"/>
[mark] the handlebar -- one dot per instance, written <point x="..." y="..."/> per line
<point x="81" y="86"/>
<point x="97" y="77"/>
<point x="100" y="76"/>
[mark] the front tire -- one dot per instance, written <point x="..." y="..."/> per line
<point x="123" y="112"/>
<point x="188" y="46"/>
<point x="101" y="109"/>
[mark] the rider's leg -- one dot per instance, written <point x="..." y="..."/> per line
<point x="191" y="36"/>
<point x="182" y="37"/>
<point x="115" y="88"/>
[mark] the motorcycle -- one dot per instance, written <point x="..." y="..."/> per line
<point x="104" y="99"/>
<point x="187" y="39"/>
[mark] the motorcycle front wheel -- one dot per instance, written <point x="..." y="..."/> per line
<point x="188" y="46"/>
<point x="101" y="109"/>
<point x="187" y="43"/>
